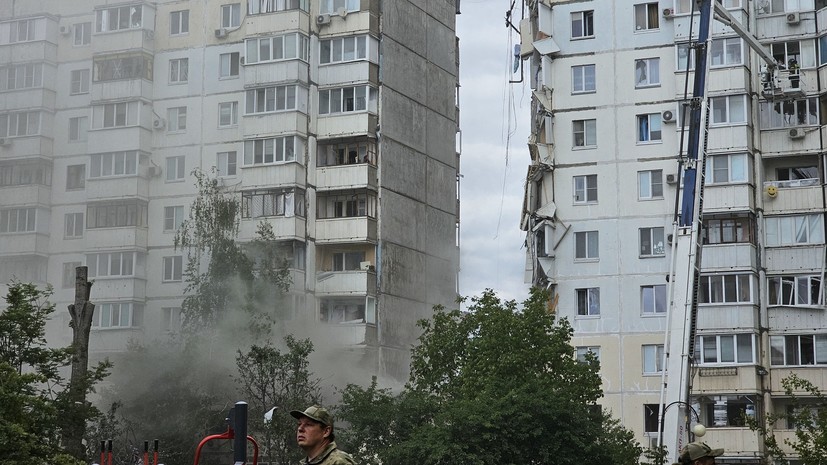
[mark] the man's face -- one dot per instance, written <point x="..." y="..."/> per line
<point x="310" y="434"/>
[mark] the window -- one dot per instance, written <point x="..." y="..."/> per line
<point x="179" y="22"/>
<point x="688" y="6"/>
<point x="175" y="168"/>
<point x="23" y="123"/>
<point x="722" y="169"/>
<point x="173" y="217"/>
<point x="796" y="350"/>
<point x="653" y="299"/>
<point x="113" y="264"/>
<point x="255" y="7"/>
<point x="116" y="19"/>
<point x="347" y="99"/>
<point x="651" y="242"/>
<point x="114" y="164"/>
<point x="725" y="289"/>
<point x="171" y="319"/>
<point x="228" y="65"/>
<point x="349" y="153"/>
<point x="358" y="310"/>
<point x="342" y="49"/>
<point x="586" y="245"/>
<point x="793" y="290"/>
<point x="22" y="31"/>
<point x="116" y="214"/>
<point x="272" y="150"/>
<point x="650" y="184"/>
<point x="73" y="223"/>
<point x="177" y="119"/>
<point x="79" y="82"/>
<point x="18" y="173"/>
<point x="179" y="70"/>
<point x="585" y="188"/>
<point x="348" y="261"/>
<point x="588" y="301"/>
<point x="231" y="15"/>
<point x="652" y="359"/>
<point x="117" y="315"/>
<point x="227" y="114"/>
<point x="347" y="206"/>
<point x="23" y="76"/>
<point x="581" y="353"/>
<point x="727" y="230"/>
<point x="75" y="177"/>
<point x="16" y="220"/>
<point x="114" y="115"/>
<point x="122" y="66"/>
<point x="77" y="128"/>
<point x="582" y="24"/>
<point x="647" y="72"/>
<point x="647" y="16"/>
<point x="651" y="414"/>
<point x="797" y="173"/>
<point x="726" y="52"/>
<point x="270" y="99"/>
<point x="172" y="268"/>
<point x="789" y="113"/>
<point x="728" y="348"/>
<point x="728" y="110"/>
<point x="582" y="79"/>
<point x="81" y="34"/>
<point x="69" y="273"/>
<point x="227" y="163"/>
<point x="802" y="51"/>
<point x="585" y="132"/>
<point x="333" y="6"/>
<point x="794" y="230"/>
<point x="282" y="47"/>
<point x="648" y="127"/>
<point x="257" y="204"/>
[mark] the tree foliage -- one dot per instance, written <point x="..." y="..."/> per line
<point x="493" y="385"/>
<point x="808" y="415"/>
<point x="33" y="393"/>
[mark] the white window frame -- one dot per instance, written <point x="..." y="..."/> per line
<point x="112" y="164"/>
<point x="726" y="51"/>
<point x="791" y="350"/>
<point x="586" y="246"/>
<point x="794" y="230"/>
<point x="176" y="168"/>
<point x="584" y="133"/>
<point x="69" y="274"/>
<point x="229" y="65"/>
<point x="78" y="171"/>
<point x="73" y="225"/>
<point x="21" y="76"/>
<point x="79" y="81"/>
<point x="273" y="150"/>
<point x="255" y="7"/>
<point x="653" y="299"/>
<point x="582" y="25"/>
<point x="735" y="165"/>
<point x="230" y="111"/>
<point x="649" y="128"/>
<point x="278" y="48"/>
<point x="230" y="15"/>
<point x="173" y="217"/>
<point x="103" y="18"/>
<point x="177" y="119"/>
<point x="722" y="110"/>
<point x="587" y="302"/>
<point x="583" y="79"/>
<point x="271" y="99"/>
<point x="581" y="351"/>
<point x="725" y="289"/>
<point x="719" y="343"/>
<point x="171" y="319"/>
<point x="788" y="290"/>
<point x="23" y="30"/>
<point x="652" y="359"/>
<point x="647" y="73"/>
<point x="179" y="70"/>
<point x="333" y="6"/>
<point x="584" y="188"/>
<point x="81" y="34"/>
<point x="789" y="113"/>
<point x="20" y="124"/>
<point x="345" y="49"/>
<point x="124" y="264"/>
<point x="126" y="313"/>
<point x="652" y="242"/>
<point x="650" y="185"/>
<point x="643" y="15"/>
<point x="78" y="128"/>
<point x="179" y="22"/>
<point x="348" y="100"/>
<point x="18" y="220"/>
<point x="173" y="271"/>
<point x="227" y="164"/>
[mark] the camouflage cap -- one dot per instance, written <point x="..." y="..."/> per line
<point x="315" y="413"/>
<point x="697" y="450"/>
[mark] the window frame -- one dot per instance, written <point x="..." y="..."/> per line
<point x="714" y="289"/>
<point x="223" y="164"/>
<point x="655" y="249"/>
<point x="173" y="269"/>
<point x="587" y="302"/>
<point x="728" y="120"/>
<point x="582" y="194"/>
<point x="76" y="177"/>
<point x="178" y="70"/>
<point x="646" y="131"/>
<point x="650" y="174"/>
<point x="580" y="83"/>
<point x="646" y="15"/>
<point x="107" y="164"/>
<point x="584" y="24"/>
<point x="85" y="38"/>
<point x="177" y="119"/>
<point x="173" y="217"/>
<point x="230" y="16"/>
<point x="233" y="114"/>
<point x="645" y="72"/>
<point x="811" y="225"/>
<point x="713" y="169"/>
<point x="586" y="246"/>
<point x="652" y="356"/>
<point x="175" y="168"/>
<point x="285" y="149"/>
<point x="182" y="22"/>
<point x="716" y="343"/>
<point x="656" y="309"/>
<point x="588" y="129"/>
<point x="227" y="63"/>
<point x="78" y="128"/>
<point x="776" y="284"/>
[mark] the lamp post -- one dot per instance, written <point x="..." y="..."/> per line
<point x="697" y="431"/>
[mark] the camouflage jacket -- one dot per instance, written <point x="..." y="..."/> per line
<point x="331" y="456"/>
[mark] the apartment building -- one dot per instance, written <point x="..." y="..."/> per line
<point x="608" y="81"/>
<point x="334" y="121"/>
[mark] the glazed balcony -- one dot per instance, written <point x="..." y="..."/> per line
<point x="789" y="259"/>
<point x="258" y="74"/>
<point x="265" y="176"/>
<point x="36" y="97"/>
<point x="729" y="198"/>
<point x="119" y="288"/>
<point x="26" y="195"/>
<point x="117" y="187"/>
<point x="121" y="89"/>
<point x="288" y="122"/>
<point x="39" y="50"/>
<point x="26" y="243"/>
<point x="727" y="257"/>
<point x="27" y="146"/>
<point x="352" y="229"/>
<point x="346" y="177"/>
<point x="341" y="283"/>
<point x="133" y="237"/>
<point x="728" y="316"/>
<point x="293" y="227"/>
<point x="123" y="40"/>
<point x="346" y="125"/>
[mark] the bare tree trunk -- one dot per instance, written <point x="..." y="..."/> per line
<point x="81" y="311"/>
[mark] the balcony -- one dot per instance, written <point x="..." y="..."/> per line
<point x="354" y="229"/>
<point x="733" y="79"/>
<point x="121" y="89"/>
<point x="131" y="288"/>
<point x="358" y="282"/>
<point x="345" y="335"/>
<point x="26" y="195"/>
<point x="127" y="138"/>
<point x="354" y="21"/>
<point x="132" y="237"/>
<point x="346" y="177"/>
<point x="795" y="196"/>
<point x="727" y="257"/>
<point x="102" y="341"/>
<point x="816" y="375"/>
<point x="293" y="227"/>
<point x="30" y="243"/>
<point x="793" y="140"/>
<point x="773" y="26"/>
<point x="796" y="259"/>
<point x="29" y="146"/>
<point x="267" y="176"/>
<point x="345" y="125"/>
<point x="738" y="441"/>
<point x="39" y="50"/>
<point x="38" y="97"/>
<point x="730" y="138"/>
<point x="729" y="198"/>
<point x="257" y="74"/>
<point x="122" y="40"/>
<point x="266" y="23"/>
<point x="289" y="122"/>
<point x="117" y="187"/>
<point x="343" y="73"/>
<point x="728" y="316"/>
<point x="742" y="379"/>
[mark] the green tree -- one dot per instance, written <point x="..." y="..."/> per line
<point x="493" y="385"/>
<point x="33" y="394"/>
<point x="269" y="377"/>
<point x="808" y="415"/>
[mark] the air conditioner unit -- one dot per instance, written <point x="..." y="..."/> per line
<point x="796" y="133"/>
<point x="671" y="178"/>
<point x="4" y="142"/>
<point x="668" y="12"/>
<point x="159" y="124"/>
<point x="153" y="171"/>
<point x="669" y="238"/>
<point x="364" y="266"/>
<point x="668" y="116"/>
<point x="241" y="60"/>
<point x="322" y="19"/>
<point x="220" y="33"/>
<point x="65" y="30"/>
<point x="793" y="18"/>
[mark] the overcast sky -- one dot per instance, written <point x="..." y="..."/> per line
<point x="493" y="170"/>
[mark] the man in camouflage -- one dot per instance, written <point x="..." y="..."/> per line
<point x="315" y="436"/>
